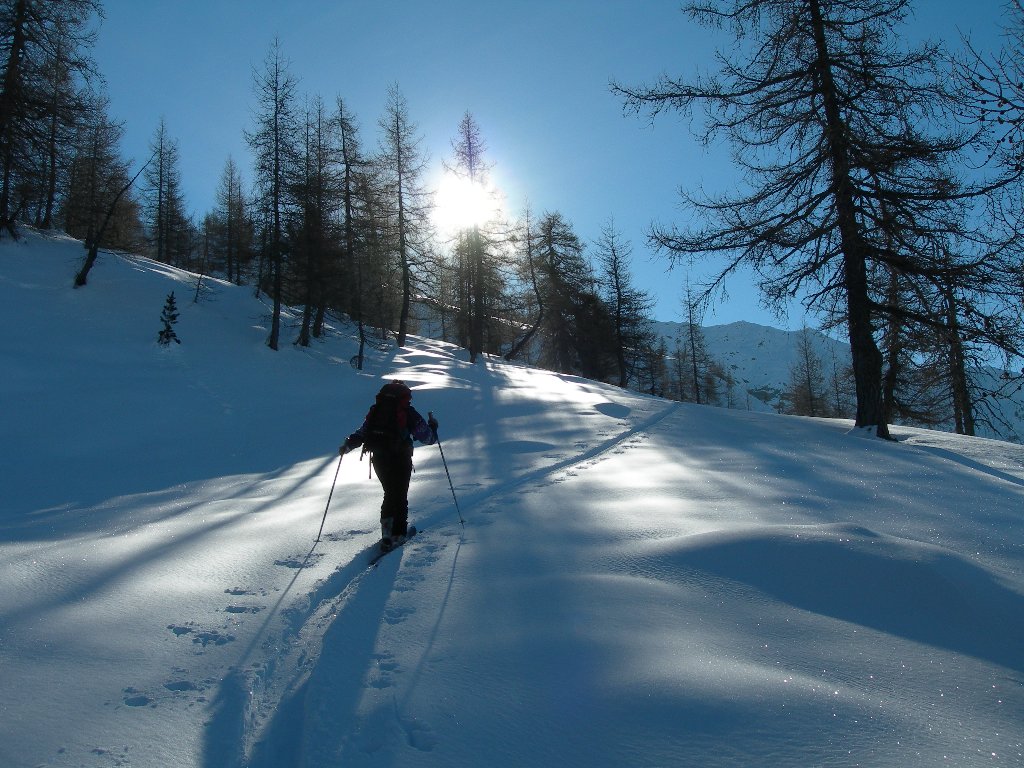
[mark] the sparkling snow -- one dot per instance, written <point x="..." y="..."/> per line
<point x="638" y="582"/>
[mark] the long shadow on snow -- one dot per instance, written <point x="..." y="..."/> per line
<point x="164" y="550"/>
<point x="970" y="463"/>
<point x="928" y="596"/>
<point x="323" y="699"/>
<point x="224" y="737"/>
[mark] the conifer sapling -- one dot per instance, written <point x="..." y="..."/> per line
<point x="169" y="317"/>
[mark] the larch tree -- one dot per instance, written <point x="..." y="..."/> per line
<point x="65" y="108"/>
<point x="844" y="139"/>
<point x="167" y="222"/>
<point x="402" y="164"/>
<point x="361" y="230"/>
<point x="576" y="331"/>
<point x="531" y="306"/>
<point x="95" y="175"/>
<point x="629" y="307"/>
<point x="699" y="362"/>
<point x="469" y="163"/>
<point x="233" y="230"/>
<point x="44" y="46"/>
<point x="353" y="166"/>
<point x="317" y="196"/>
<point x="806" y="393"/>
<point x="994" y="89"/>
<point x="274" y="141"/>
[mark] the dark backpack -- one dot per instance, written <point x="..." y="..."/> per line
<point x="387" y="422"/>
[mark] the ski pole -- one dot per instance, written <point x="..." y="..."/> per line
<point x="329" y="498"/>
<point x="454" y="497"/>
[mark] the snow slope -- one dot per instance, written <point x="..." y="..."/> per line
<point x="637" y="582"/>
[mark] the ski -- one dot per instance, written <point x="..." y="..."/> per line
<point x="381" y="553"/>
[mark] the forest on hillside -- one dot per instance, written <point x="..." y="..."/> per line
<point x="882" y="186"/>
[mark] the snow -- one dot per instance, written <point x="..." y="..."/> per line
<point x="760" y="359"/>
<point x="637" y="582"/>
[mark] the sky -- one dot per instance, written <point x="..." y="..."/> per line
<point x="535" y="75"/>
<point x="637" y="582"/>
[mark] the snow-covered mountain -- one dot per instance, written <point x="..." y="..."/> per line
<point x="636" y="583"/>
<point x="761" y="358"/>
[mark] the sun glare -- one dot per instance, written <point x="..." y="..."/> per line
<point x="461" y="204"/>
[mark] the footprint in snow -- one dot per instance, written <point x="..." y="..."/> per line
<point x="346" y="535"/>
<point x="134" y="698"/>
<point x="203" y="637"/>
<point x="300" y="561"/>
<point x="243" y="609"/>
<point x="212" y="636"/>
<point x="419" y="735"/>
<point x="380" y="683"/>
<point x="421" y="560"/>
<point x="408" y="583"/>
<point x="181" y="686"/>
<point x="242" y="592"/>
<point x="398" y="615"/>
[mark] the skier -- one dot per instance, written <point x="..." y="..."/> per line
<point x="387" y="434"/>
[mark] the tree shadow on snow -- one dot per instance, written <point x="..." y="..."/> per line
<point x="922" y="594"/>
<point x="322" y="701"/>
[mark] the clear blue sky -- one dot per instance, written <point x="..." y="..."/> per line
<point x="534" y="73"/>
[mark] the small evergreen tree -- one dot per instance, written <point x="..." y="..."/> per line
<point x="168" y="317"/>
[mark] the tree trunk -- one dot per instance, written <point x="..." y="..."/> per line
<point x="403" y="255"/>
<point x="83" y="274"/>
<point x="892" y="354"/>
<point x="8" y="107"/>
<point x="476" y="312"/>
<point x="867" y="359"/>
<point x="963" y="409"/>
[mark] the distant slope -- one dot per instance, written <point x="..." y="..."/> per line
<point x="760" y="359"/>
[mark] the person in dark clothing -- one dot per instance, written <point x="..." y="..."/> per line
<point x="387" y="434"/>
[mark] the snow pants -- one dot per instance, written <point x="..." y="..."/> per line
<point x="394" y="472"/>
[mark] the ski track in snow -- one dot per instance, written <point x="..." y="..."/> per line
<point x="258" y="700"/>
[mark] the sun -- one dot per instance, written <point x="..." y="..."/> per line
<point x="461" y="204"/>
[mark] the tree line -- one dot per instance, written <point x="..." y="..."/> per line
<point x="327" y="224"/>
<point x="882" y="187"/>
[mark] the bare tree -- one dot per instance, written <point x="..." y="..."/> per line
<point x="231" y="224"/>
<point x="45" y="62"/>
<point x="273" y="141"/>
<point x="402" y="163"/>
<point x="843" y="139"/>
<point x="806" y="391"/>
<point x="165" y="204"/>
<point x="533" y="308"/>
<point x="95" y="176"/>
<point x="318" y="197"/>
<point x="629" y="306"/>
<point x="82" y="276"/>
<point x="469" y="163"/>
<point x="696" y="352"/>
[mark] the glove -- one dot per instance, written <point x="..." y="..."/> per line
<point x="351" y="443"/>
<point x="432" y="423"/>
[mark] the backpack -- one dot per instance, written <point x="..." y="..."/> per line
<point x="387" y="429"/>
